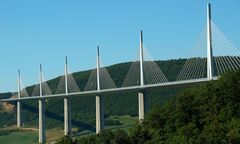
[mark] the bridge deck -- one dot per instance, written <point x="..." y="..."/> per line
<point x="113" y="90"/>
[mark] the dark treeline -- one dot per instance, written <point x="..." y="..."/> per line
<point x="209" y="113"/>
<point x="83" y="108"/>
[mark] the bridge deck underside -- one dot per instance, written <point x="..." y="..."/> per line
<point x="113" y="90"/>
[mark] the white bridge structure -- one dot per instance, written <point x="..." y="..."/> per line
<point x="149" y="75"/>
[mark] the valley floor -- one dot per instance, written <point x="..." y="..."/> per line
<point x="30" y="135"/>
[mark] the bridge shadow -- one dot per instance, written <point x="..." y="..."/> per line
<point x="55" y="116"/>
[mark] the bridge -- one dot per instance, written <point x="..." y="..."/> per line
<point x="143" y="74"/>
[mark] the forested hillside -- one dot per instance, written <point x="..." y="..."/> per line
<point x="83" y="108"/>
<point x="209" y="113"/>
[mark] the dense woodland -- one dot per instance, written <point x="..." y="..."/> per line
<point x="83" y="108"/>
<point x="208" y="113"/>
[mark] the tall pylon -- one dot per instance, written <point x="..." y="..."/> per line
<point x="210" y="71"/>
<point x="141" y="93"/>
<point x="99" y="101"/>
<point x="41" y="102"/>
<point x="19" y="106"/>
<point x="67" y="108"/>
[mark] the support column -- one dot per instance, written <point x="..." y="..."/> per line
<point x="210" y="71"/>
<point x="67" y="110"/>
<point x="41" y="102"/>
<point x="19" y="118"/>
<point x="99" y="101"/>
<point x="141" y="94"/>
<point x="142" y="105"/>
<point x="67" y="117"/>
<point x="99" y="114"/>
<point x="42" y="129"/>
<point x="19" y="106"/>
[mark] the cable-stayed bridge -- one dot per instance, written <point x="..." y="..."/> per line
<point x="220" y="56"/>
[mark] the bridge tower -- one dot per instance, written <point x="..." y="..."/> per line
<point x="67" y="108"/>
<point x="41" y="102"/>
<point x="210" y="71"/>
<point x="141" y="94"/>
<point x="99" y="101"/>
<point x="19" y="106"/>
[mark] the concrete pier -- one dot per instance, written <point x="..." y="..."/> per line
<point x="99" y="101"/>
<point x="67" y="117"/>
<point x="41" y="103"/>
<point x="141" y="94"/>
<point x="42" y="128"/>
<point x="99" y="114"/>
<point x="19" y="106"/>
<point x="67" y="108"/>
<point x="19" y="118"/>
<point x="141" y="105"/>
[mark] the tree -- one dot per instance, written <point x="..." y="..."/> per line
<point x="66" y="140"/>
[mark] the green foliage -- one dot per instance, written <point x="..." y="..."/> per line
<point x="111" y="122"/>
<point x="4" y="132"/>
<point x="5" y="95"/>
<point x="66" y="140"/>
<point x="206" y="114"/>
<point x="140" y="135"/>
<point x="209" y="113"/>
<point x="6" y="119"/>
<point x="106" y="137"/>
<point x="16" y="136"/>
<point x="121" y="137"/>
<point x="233" y="134"/>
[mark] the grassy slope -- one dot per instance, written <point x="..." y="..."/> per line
<point x="83" y="108"/>
<point x="28" y="137"/>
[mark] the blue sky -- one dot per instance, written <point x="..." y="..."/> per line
<point x="34" y="32"/>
